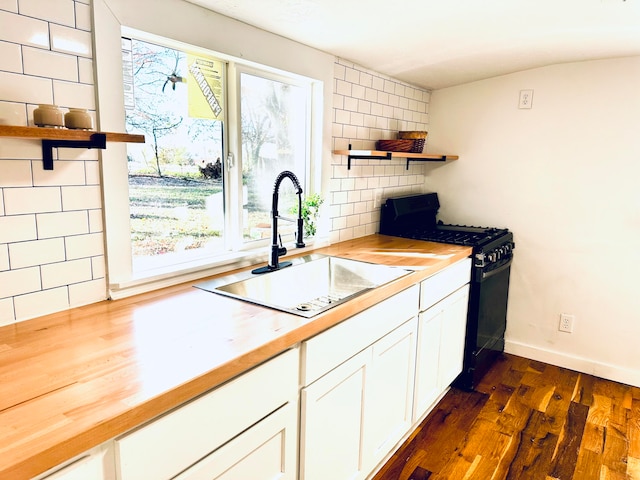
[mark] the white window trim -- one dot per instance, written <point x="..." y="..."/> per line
<point x="191" y="25"/>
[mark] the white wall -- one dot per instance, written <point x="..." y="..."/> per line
<point x="563" y="176"/>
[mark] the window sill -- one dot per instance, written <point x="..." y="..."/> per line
<point x="161" y="278"/>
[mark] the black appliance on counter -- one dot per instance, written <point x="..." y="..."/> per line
<point x="415" y="217"/>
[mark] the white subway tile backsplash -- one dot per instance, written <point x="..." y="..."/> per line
<point x="76" y="95"/>
<point x="92" y="173"/>
<point x="70" y="40"/>
<point x="356" y="119"/>
<point x="10" y="5"/>
<point x="343" y="88"/>
<point x="66" y="273"/>
<point x="87" y="292"/>
<point x="85" y="70"/>
<point x="24" y="30"/>
<point x="10" y="57"/>
<point x="346" y="209"/>
<point x="339" y="71"/>
<point x="32" y="200"/>
<point x="352" y="75"/>
<point x="36" y="252"/>
<point x="98" y="267"/>
<point x="62" y="224"/>
<point x="80" y="246"/>
<point x="351" y="104"/>
<point x="7" y="315"/>
<point x="83" y="16"/>
<point x="56" y="11"/>
<point x="14" y="148"/>
<point x="81" y="198"/>
<point x="49" y="258"/>
<point x="18" y="282"/>
<point x="44" y="63"/>
<point x="364" y="106"/>
<point x="17" y="228"/>
<point x="12" y="113"/>
<point x="64" y="173"/>
<point x="4" y="257"/>
<point x="24" y="88"/>
<point x="78" y="153"/>
<point x="366" y="79"/>
<point x="371" y="95"/>
<point x="41" y="303"/>
<point x="15" y="173"/>
<point x="95" y="221"/>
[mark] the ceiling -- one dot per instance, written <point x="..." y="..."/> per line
<point x="441" y="43"/>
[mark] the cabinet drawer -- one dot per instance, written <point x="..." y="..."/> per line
<point x="438" y="286"/>
<point x="329" y="349"/>
<point x="178" y="439"/>
<point x="267" y="451"/>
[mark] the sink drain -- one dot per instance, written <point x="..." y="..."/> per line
<point x="320" y="302"/>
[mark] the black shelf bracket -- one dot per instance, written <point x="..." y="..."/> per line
<point x="364" y="157"/>
<point x="97" y="140"/>
<point x="443" y="158"/>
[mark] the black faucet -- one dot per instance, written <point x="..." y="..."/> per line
<point x="276" y="248"/>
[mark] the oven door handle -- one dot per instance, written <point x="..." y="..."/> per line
<point x="497" y="270"/>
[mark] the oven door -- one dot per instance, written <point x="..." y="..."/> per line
<point x="486" y="323"/>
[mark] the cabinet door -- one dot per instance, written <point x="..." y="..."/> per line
<point x="389" y="394"/>
<point x="454" y="323"/>
<point x="86" y="468"/>
<point x="267" y="451"/>
<point x="427" y="387"/>
<point x="332" y="412"/>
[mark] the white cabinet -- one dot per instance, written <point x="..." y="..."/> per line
<point x="389" y="393"/>
<point x="332" y="411"/>
<point x="355" y="413"/>
<point x="95" y="464"/>
<point x="177" y="440"/>
<point x="454" y="321"/>
<point x="444" y="300"/>
<point x="267" y="451"/>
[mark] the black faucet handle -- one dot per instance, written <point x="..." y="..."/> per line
<point x="282" y="250"/>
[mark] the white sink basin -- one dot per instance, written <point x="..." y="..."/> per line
<point x="312" y="285"/>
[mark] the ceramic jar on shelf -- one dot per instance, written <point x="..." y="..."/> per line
<point x="48" y="116"/>
<point x="78" y="119"/>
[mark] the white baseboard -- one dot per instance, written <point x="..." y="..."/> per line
<point x="572" y="362"/>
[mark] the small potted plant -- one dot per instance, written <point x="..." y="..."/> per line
<point x="310" y="210"/>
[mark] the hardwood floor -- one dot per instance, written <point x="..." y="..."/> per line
<point x="527" y="420"/>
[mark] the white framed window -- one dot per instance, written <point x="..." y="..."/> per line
<point x="208" y="179"/>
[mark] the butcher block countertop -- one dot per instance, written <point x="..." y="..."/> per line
<point x="75" y="379"/>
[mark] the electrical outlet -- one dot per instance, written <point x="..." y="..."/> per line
<point x="526" y="99"/>
<point x="566" y="322"/>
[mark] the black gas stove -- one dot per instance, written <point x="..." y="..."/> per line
<point x="415" y="217"/>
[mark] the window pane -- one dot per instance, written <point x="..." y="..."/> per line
<point x="274" y="138"/>
<point x="176" y="184"/>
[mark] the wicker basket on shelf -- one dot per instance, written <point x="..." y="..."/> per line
<point x="401" y="145"/>
<point x="418" y="138"/>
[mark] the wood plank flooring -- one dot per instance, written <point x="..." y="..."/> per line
<point x="527" y="420"/>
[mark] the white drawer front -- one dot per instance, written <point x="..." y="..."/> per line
<point x="329" y="349"/>
<point x="166" y="446"/>
<point x="438" y="286"/>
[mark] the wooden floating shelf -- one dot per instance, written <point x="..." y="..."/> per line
<point x="64" y="134"/>
<point x="66" y="138"/>
<point x="382" y="155"/>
